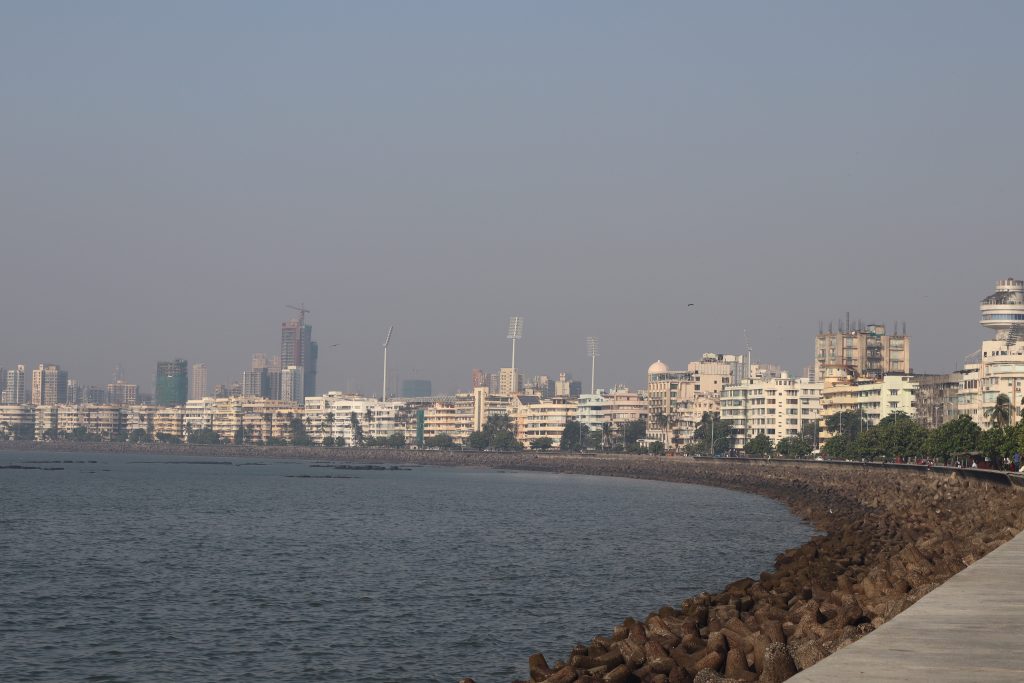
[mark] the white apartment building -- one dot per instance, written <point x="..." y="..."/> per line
<point x="17" y="421"/>
<point x="999" y="368"/>
<point x="451" y="415"/>
<point x="874" y="400"/>
<point x="535" y="417"/>
<point x="777" y="407"/>
<point x="336" y="414"/>
<point x="14" y="388"/>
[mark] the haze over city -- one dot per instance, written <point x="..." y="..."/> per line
<point x="172" y="176"/>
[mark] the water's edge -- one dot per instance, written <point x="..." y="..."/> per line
<point x="885" y="541"/>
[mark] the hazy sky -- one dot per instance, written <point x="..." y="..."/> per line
<point x="173" y="174"/>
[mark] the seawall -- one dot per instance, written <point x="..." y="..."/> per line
<point x="888" y="537"/>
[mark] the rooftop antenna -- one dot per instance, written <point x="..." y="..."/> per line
<point x="592" y="352"/>
<point x="387" y="339"/>
<point x="515" y="332"/>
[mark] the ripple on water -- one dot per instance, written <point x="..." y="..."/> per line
<point x="205" y="573"/>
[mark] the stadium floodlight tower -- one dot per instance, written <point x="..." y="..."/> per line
<point x="592" y="352"/>
<point x="515" y="332"/>
<point x="384" y="390"/>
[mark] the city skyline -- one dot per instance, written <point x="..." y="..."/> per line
<point x="774" y="167"/>
<point x="396" y="376"/>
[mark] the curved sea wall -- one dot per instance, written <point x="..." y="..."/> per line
<point x="888" y="537"/>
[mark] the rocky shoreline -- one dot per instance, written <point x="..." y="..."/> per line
<point x="887" y="538"/>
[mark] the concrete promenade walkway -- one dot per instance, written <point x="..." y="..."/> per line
<point x="971" y="628"/>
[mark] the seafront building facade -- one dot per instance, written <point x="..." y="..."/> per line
<point x="778" y="407"/>
<point x="860" y="368"/>
<point x="999" y="365"/>
<point x="873" y="400"/>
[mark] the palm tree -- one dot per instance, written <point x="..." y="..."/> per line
<point x="999" y="414"/>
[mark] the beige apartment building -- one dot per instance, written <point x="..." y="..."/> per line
<point x="510" y="381"/>
<point x="678" y="399"/>
<point x="535" y="418"/>
<point x="17" y="421"/>
<point x="616" y="408"/>
<point x="861" y="351"/>
<point x="874" y="400"/>
<point x="778" y="407"/>
<point x="451" y="415"/>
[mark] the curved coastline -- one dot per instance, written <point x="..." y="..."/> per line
<point x="888" y="538"/>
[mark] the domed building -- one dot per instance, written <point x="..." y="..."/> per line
<point x="657" y="367"/>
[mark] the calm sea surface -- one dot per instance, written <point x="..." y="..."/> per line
<point x="148" y="568"/>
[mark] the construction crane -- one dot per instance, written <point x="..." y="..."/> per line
<point x="301" y="308"/>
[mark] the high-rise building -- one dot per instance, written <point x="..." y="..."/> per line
<point x="299" y="350"/>
<point x="197" y="382"/>
<point x="3" y="380"/>
<point x="567" y="387"/>
<point x="510" y="381"/>
<point x="14" y="388"/>
<point x="479" y="378"/>
<point x="274" y="383"/>
<point x="291" y="384"/>
<point x="74" y="392"/>
<point x="172" y="382"/>
<point x="416" y="388"/>
<point x="122" y="393"/>
<point x="49" y="385"/>
<point x="95" y="395"/>
<point x="861" y="350"/>
<point x="256" y="383"/>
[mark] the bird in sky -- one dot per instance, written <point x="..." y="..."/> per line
<point x="688" y="305"/>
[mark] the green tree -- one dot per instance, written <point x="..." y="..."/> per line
<point x="712" y="426"/>
<point x="850" y="423"/>
<point x="574" y="436"/>
<point x="896" y="436"/>
<point x="999" y="414"/>
<point x="809" y="432"/>
<point x="839" y="447"/>
<point x="998" y="443"/>
<point x="439" y="441"/>
<point x="478" y="441"/>
<point x="328" y="441"/>
<point x="396" y="440"/>
<point x="794" y="447"/>
<point x="633" y="431"/>
<point x="595" y="440"/>
<point x="138" y="436"/>
<point x="759" y="445"/>
<point x="357" y="430"/>
<point x="961" y="435"/>
<point x="656" y="448"/>
<point x="205" y="436"/>
<point x="542" y="444"/>
<point x="505" y="441"/>
<point x="297" y="434"/>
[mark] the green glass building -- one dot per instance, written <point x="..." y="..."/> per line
<point x="171" y="382"/>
